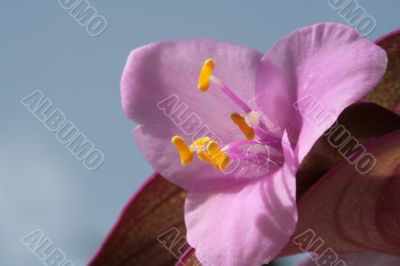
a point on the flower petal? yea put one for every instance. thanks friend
(345, 204)
(387, 93)
(363, 259)
(167, 73)
(155, 209)
(244, 225)
(327, 64)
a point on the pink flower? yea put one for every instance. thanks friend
(241, 202)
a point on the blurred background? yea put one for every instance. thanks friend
(42, 185)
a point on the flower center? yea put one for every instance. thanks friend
(260, 147)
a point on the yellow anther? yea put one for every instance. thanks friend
(200, 142)
(206, 149)
(224, 163)
(212, 146)
(204, 157)
(205, 75)
(240, 121)
(214, 156)
(183, 149)
(220, 159)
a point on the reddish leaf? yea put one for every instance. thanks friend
(365, 121)
(155, 211)
(189, 258)
(352, 212)
(387, 93)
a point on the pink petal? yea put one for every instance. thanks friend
(244, 225)
(327, 63)
(170, 69)
(363, 259)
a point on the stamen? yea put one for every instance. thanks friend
(240, 121)
(230, 94)
(199, 143)
(205, 75)
(183, 149)
(220, 158)
(264, 151)
(204, 157)
(214, 156)
(212, 146)
(224, 163)
(254, 151)
(251, 117)
(206, 149)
